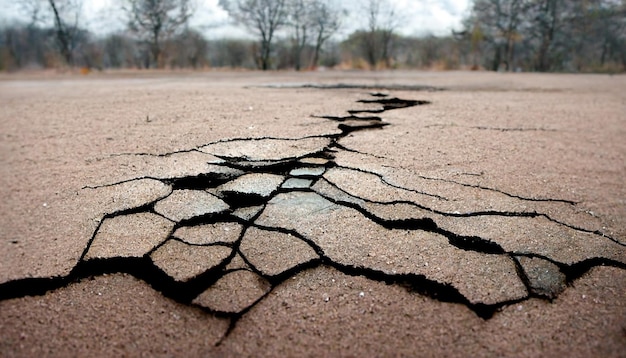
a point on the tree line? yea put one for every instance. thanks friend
(499, 35)
(547, 35)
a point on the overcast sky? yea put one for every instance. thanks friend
(420, 17)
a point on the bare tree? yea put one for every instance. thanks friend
(596, 30)
(313, 22)
(611, 29)
(155, 21)
(12, 39)
(325, 21)
(382, 21)
(264, 17)
(300, 21)
(55, 20)
(33, 10)
(547, 21)
(499, 23)
(550, 35)
(66, 14)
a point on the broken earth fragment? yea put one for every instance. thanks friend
(234, 292)
(307, 172)
(544, 277)
(209, 234)
(384, 212)
(297, 183)
(183, 262)
(256, 166)
(250, 188)
(539, 235)
(372, 187)
(187, 204)
(481, 278)
(130, 194)
(273, 252)
(236, 263)
(267, 149)
(314, 161)
(129, 236)
(174, 165)
(206, 180)
(247, 213)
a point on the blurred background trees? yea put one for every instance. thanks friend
(498, 35)
(263, 17)
(153, 22)
(548, 35)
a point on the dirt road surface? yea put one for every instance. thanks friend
(313, 214)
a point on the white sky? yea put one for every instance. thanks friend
(419, 17)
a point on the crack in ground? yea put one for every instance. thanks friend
(344, 148)
(496, 129)
(214, 203)
(145, 154)
(378, 87)
(520, 214)
(571, 202)
(385, 181)
(471, 243)
(350, 118)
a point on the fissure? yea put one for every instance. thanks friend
(299, 191)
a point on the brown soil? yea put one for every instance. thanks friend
(489, 222)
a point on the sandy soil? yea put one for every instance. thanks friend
(489, 222)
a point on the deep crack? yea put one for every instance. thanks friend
(254, 183)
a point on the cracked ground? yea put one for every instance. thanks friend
(380, 214)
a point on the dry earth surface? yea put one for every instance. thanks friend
(313, 214)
